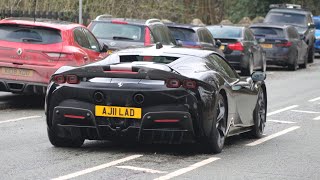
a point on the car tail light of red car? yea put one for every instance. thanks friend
(236, 46)
(175, 83)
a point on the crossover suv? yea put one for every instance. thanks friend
(122, 33)
(299, 18)
(32, 50)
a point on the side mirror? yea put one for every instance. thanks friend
(104, 48)
(218, 43)
(179, 42)
(258, 76)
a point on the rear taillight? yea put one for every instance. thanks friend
(189, 84)
(236, 46)
(59, 79)
(286, 44)
(175, 83)
(147, 37)
(72, 79)
(118, 22)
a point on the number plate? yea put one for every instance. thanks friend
(16, 71)
(266, 46)
(119, 112)
(222, 47)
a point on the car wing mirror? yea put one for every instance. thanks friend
(104, 48)
(179, 42)
(218, 43)
(258, 76)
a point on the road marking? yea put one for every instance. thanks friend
(317, 118)
(315, 99)
(96, 168)
(142, 169)
(187, 169)
(281, 110)
(267, 138)
(309, 112)
(20, 119)
(283, 122)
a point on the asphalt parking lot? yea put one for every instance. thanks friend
(289, 149)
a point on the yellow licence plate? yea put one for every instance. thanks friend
(222, 47)
(16, 71)
(266, 46)
(119, 112)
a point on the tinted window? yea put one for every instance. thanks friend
(222, 66)
(161, 35)
(317, 22)
(225, 32)
(184, 35)
(288, 18)
(126, 32)
(157, 59)
(94, 45)
(81, 38)
(207, 37)
(34, 35)
(268, 32)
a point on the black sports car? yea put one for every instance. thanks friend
(155, 95)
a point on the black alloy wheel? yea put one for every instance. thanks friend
(219, 127)
(260, 116)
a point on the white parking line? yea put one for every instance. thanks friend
(315, 99)
(20, 119)
(187, 169)
(317, 118)
(267, 138)
(142, 169)
(309, 112)
(281, 110)
(96, 168)
(282, 122)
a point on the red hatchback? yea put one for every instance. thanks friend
(31, 51)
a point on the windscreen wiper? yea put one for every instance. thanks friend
(31, 40)
(121, 38)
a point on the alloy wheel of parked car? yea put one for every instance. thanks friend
(294, 66)
(260, 115)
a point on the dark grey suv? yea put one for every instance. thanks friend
(121, 33)
(299, 18)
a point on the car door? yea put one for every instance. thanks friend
(83, 44)
(243, 97)
(94, 50)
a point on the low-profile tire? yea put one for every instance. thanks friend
(63, 142)
(247, 71)
(311, 54)
(216, 138)
(259, 116)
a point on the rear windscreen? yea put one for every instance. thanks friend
(156, 59)
(182, 34)
(221, 32)
(286, 18)
(268, 32)
(29, 34)
(103, 30)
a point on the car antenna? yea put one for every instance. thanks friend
(34, 10)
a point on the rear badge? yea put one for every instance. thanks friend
(19, 51)
(120, 84)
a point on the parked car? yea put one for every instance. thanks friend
(316, 20)
(179, 95)
(121, 33)
(282, 45)
(192, 36)
(301, 19)
(240, 48)
(31, 51)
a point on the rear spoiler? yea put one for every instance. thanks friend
(133, 72)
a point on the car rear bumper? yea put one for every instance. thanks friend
(145, 130)
(22, 87)
(237, 60)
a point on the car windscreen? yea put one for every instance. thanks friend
(222, 32)
(317, 23)
(156, 59)
(268, 32)
(126, 32)
(184, 34)
(286, 18)
(29, 34)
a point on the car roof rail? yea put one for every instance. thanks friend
(104, 17)
(285, 6)
(149, 21)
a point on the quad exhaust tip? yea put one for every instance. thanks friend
(138, 98)
(98, 97)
